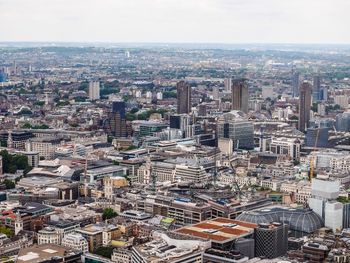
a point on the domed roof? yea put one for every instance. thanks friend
(301, 220)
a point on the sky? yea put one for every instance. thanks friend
(176, 21)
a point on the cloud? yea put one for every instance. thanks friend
(226, 21)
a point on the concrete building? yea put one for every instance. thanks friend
(121, 255)
(45, 146)
(240, 95)
(183, 97)
(170, 247)
(304, 105)
(226, 146)
(228, 84)
(342, 101)
(323, 202)
(48, 235)
(94, 90)
(286, 146)
(76, 242)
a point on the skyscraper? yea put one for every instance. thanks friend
(295, 83)
(94, 90)
(228, 84)
(240, 95)
(183, 97)
(116, 119)
(316, 91)
(304, 105)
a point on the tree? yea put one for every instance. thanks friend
(104, 251)
(5, 230)
(109, 213)
(9, 184)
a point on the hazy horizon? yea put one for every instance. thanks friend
(176, 21)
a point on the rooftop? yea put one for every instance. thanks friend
(219, 230)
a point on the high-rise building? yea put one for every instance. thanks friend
(228, 84)
(316, 91)
(183, 97)
(271, 240)
(94, 90)
(234, 125)
(304, 105)
(116, 120)
(295, 83)
(239, 95)
(343, 121)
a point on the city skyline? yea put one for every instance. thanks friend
(169, 21)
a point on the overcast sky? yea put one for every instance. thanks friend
(204, 21)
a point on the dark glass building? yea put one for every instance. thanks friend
(304, 105)
(239, 95)
(183, 97)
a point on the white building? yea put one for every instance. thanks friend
(94, 90)
(76, 241)
(226, 146)
(342, 100)
(286, 146)
(48, 235)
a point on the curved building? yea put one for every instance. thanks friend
(301, 221)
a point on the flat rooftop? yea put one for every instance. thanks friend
(219, 230)
(40, 253)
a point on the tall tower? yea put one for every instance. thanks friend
(183, 97)
(295, 83)
(316, 92)
(228, 84)
(304, 105)
(240, 95)
(117, 119)
(94, 90)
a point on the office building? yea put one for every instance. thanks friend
(317, 91)
(48, 235)
(317, 137)
(324, 202)
(75, 241)
(295, 83)
(271, 240)
(343, 121)
(304, 105)
(45, 146)
(183, 97)
(342, 101)
(228, 84)
(224, 234)
(169, 247)
(48, 253)
(286, 146)
(234, 125)
(239, 95)
(15, 139)
(117, 120)
(94, 90)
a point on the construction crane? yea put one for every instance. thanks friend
(312, 159)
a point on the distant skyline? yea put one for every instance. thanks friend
(176, 21)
